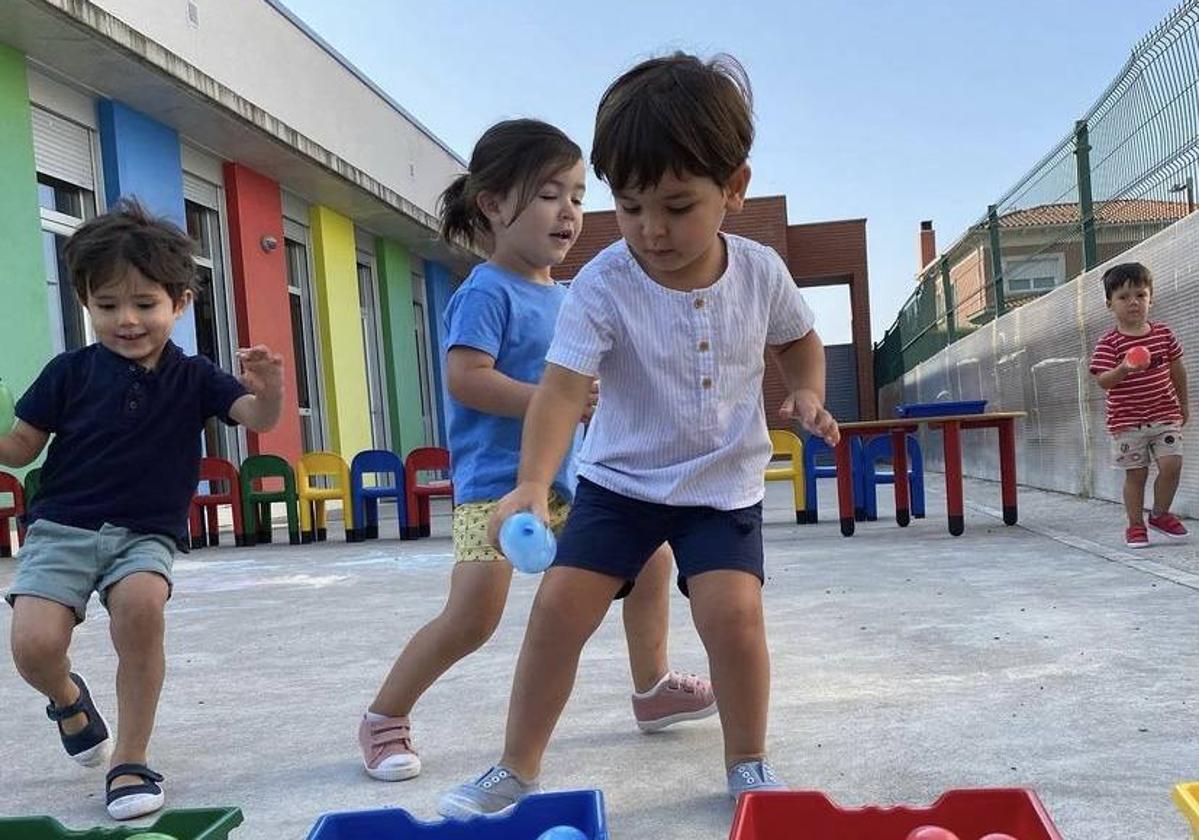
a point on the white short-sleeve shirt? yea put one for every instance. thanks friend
(680, 418)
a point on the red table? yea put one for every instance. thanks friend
(951, 426)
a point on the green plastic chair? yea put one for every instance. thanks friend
(33, 483)
(256, 504)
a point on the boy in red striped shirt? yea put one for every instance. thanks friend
(1146, 401)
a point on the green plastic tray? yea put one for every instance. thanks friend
(184, 824)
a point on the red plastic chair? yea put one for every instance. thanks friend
(425, 459)
(10, 484)
(206, 505)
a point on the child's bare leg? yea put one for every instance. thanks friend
(39, 638)
(727, 608)
(1134, 494)
(570, 605)
(473, 609)
(137, 627)
(647, 620)
(1169, 472)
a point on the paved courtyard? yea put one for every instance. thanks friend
(906, 662)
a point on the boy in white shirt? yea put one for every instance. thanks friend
(673, 319)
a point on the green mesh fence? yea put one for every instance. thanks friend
(1123, 173)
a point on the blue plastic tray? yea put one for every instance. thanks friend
(940, 409)
(581, 809)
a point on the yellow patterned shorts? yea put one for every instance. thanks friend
(470, 529)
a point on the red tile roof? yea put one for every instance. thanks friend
(1125, 211)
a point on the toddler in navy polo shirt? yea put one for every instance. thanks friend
(126, 415)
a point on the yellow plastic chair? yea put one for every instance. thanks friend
(312, 499)
(1186, 797)
(784, 443)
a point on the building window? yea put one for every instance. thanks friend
(216, 329)
(63, 208)
(372, 349)
(304, 342)
(1040, 273)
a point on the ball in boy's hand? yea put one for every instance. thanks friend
(997, 836)
(8, 417)
(562, 832)
(931, 832)
(1138, 356)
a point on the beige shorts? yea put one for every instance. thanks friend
(470, 529)
(1134, 449)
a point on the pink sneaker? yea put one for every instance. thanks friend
(677, 697)
(1168, 524)
(387, 752)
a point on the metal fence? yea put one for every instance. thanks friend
(1126, 171)
(1035, 359)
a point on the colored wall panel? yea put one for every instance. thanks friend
(25, 340)
(438, 289)
(142, 160)
(347, 400)
(260, 293)
(399, 337)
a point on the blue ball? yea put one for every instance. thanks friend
(562, 832)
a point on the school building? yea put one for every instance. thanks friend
(311, 195)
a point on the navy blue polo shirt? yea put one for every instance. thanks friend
(126, 445)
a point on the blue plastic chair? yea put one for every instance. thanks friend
(879, 449)
(812, 449)
(365, 499)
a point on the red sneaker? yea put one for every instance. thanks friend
(1168, 524)
(1135, 536)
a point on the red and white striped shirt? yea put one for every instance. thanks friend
(1145, 396)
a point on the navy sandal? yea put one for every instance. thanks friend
(131, 801)
(89, 746)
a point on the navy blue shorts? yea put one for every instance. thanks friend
(615, 535)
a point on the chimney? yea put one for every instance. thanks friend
(928, 244)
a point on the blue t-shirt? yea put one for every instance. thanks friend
(126, 445)
(512, 320)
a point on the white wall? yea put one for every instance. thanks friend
(262, 56)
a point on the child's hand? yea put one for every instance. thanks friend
(806, 407)
(261, 371)
(527, 496)
(592, 401)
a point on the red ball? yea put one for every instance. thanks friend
(932, 832)
(1138, 356)
(997, 836)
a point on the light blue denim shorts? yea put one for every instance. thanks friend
(65, 564)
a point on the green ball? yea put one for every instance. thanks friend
(153, 835)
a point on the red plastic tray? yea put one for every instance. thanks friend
(969, 813)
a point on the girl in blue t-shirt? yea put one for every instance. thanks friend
(522, 201)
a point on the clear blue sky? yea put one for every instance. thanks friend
(891, 111)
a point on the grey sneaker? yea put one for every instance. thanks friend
(494, 792)
(753, 775)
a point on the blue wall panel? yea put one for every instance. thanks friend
(142, 161)
(438, 289)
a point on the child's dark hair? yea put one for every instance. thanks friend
(514, 154)
(674, 113)
(1131, 273)
(100, 251)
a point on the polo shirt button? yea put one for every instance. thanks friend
(703, 347)
(706, 382)
(133, 403)
(699, 303)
